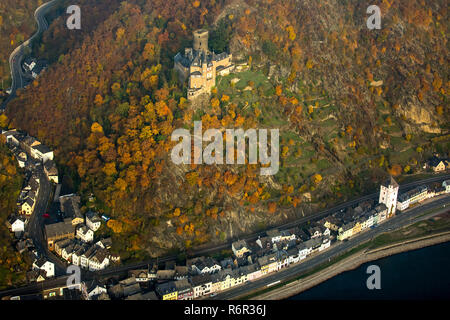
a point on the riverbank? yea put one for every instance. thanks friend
(352, 262)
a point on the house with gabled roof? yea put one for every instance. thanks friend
(239, 248)
(84, 233)
(51, 171)
(93, 220)
(184, 290)
(47, 266)
(167, 290)
(99, 260)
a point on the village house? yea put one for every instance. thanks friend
(184, 290)
(446, 185)
(66, 252)
(283, 259)
(16, 224)
(93, 289)
(59, 245)
(200, 66)
(274, 235)
(77, 252)
(331, 222)
(99, 260)
(203, 265)
(167, 291)
(201, 285)
(13, 137)
(104, 243)
(125, 288)
(314, 232)
(346, 231)
(164, 275)
(41, 152)
(70, 206)
(181, 272)
(84, 258)
(411, 197)
(47, 266)
(84, 233)
(326, 243)
(51, 171)
(437, 164)
(216, 282)
(27, 207)
(239, 248)
(93, 221)
(382, 212)
(141, 275)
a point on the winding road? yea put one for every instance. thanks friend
(16, 57)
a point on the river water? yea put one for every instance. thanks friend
(418, 274)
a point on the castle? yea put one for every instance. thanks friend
(201, 66)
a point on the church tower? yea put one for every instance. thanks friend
(388, 195)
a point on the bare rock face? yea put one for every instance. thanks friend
(419, 117)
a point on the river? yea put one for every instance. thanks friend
(419, 274)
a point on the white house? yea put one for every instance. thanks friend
(93, 289)
(85, 234)
(93, 221)
(18, 225)
(66, 253)
(47, 266)
(76, 256)
(294, 255)
(12, 137)
(410, 197)
(201, 285)
(84, 258)
(274, 235)
(303, 251)
(446, 185)
(99, 260)
(325, 243)
(42, 152)
(51, 171)
(204, 265)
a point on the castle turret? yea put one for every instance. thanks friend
(201, 40)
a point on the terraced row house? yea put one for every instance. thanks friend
(406, 199)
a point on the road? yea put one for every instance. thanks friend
(36, 223)
(16, 57)
(405, 218)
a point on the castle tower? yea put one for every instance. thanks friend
(201, 40)
(388, 195)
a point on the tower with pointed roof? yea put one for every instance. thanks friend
(388, 195)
